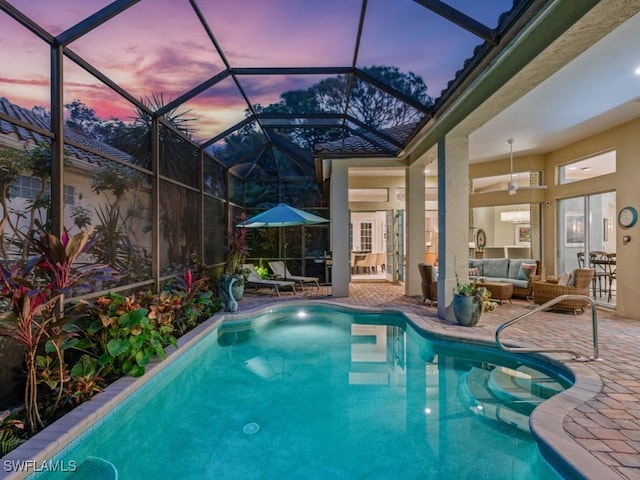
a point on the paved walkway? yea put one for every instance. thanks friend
(606, 425)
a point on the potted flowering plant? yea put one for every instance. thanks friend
(236, 257)
(469, 301)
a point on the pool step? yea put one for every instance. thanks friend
(540, 384)
(522, 388)
(508, 395)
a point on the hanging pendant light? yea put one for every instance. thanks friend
(513, 185)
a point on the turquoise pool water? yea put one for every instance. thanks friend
(323, 393)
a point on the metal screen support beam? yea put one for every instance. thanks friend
(459, 18)
(201, 159)
(57, 144)
(155, 202)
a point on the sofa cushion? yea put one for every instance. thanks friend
(564, 279)
(476, 263)
(495, 267)
(514, 266)
(519, 283)
(474, 272)
(526, 270)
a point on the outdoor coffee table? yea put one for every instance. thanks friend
(500, 291)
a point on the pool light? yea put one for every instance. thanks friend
(301, 314)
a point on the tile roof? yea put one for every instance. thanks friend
(368, 144)
(44, 122)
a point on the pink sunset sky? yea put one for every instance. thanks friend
(159, 47)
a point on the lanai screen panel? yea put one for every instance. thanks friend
(25, 64)
(285, 33)
(419, 40)
(154, 50)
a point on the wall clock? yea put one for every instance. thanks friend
(481, 239)
(627, 217)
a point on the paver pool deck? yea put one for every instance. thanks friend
(595, 424)
(606, 424)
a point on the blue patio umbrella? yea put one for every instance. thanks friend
(282, 215)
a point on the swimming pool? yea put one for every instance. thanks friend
(323, 392)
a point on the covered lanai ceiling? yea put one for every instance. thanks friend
(299, 78)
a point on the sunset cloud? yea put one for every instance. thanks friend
(158, 47)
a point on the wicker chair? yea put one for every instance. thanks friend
(543, 291)
(429, 286)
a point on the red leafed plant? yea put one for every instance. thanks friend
(34, 292)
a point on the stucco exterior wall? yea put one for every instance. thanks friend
(626, 141)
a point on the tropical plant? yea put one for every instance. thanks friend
(121, 333)
(262, 270)
(33, 292)
(195, 300)
(51, 373)
(478, 292)
(117, 241)
(11, 430)
(10, 167)
(31, 319)
(238, 247)
(178, 161)
(86, 380)
(113, 245)
(37, 162)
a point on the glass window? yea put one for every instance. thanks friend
(601, 164)
(500, 182)
(366, 236)
(29, 188)
(368, 194)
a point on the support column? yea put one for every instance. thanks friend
(415, 187)
(453, 225)
(341, 271)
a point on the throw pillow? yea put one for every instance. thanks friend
(526, 270)
(564, 279)
(473, 272)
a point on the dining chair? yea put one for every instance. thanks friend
(598, 262)
(431, 258)
(612, 271)
(381, 261)
(368, 262)
(580, 259)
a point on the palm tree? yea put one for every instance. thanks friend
(179, 162)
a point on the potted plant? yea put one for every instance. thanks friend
(237, 255)
(469, 301)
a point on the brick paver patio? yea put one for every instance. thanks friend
(606, 425)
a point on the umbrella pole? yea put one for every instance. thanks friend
(284, 260)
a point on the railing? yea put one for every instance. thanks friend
(544, 306)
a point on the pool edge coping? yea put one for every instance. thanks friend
(546, 422)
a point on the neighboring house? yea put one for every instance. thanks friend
(79, 167)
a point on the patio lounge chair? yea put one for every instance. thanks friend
(428, 283)
(279, 268)
(255, 280)
(552, 287)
